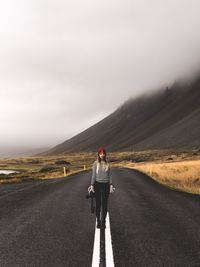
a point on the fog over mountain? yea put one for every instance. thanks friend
(164, 119)
(66, 65)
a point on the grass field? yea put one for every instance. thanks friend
(32, 168)
(180, 170)
(183, 175)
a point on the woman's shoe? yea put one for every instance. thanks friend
(103, 224)
(98, 224)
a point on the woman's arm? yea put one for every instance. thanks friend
(109, 175)
(93, 173)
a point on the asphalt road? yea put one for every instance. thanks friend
(48, 223)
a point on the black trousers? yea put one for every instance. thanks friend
(102, 191)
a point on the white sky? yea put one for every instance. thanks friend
(65, 65)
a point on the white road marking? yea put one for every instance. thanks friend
(108, 244)
(96, 247)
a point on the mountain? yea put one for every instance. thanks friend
(163, 119)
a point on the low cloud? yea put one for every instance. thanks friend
(67, 64)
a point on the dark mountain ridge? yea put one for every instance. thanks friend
(163, 119)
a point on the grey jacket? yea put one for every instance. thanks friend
(103, 176)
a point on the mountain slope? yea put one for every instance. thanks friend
(161, 119)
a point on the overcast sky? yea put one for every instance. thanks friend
(66, 64)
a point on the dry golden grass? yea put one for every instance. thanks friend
(182, 175)
(30, 168)
(175, 169)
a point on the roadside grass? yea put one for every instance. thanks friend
(176, 169)
(48, 167)
(180, 175)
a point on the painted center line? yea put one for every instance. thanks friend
(108, 245)
(96, 247)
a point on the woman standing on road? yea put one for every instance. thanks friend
(101, 184)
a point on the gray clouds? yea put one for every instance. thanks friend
(67, 64)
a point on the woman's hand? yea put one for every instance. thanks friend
(112, 189)
(91, 188)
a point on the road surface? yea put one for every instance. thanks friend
(48, 223)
